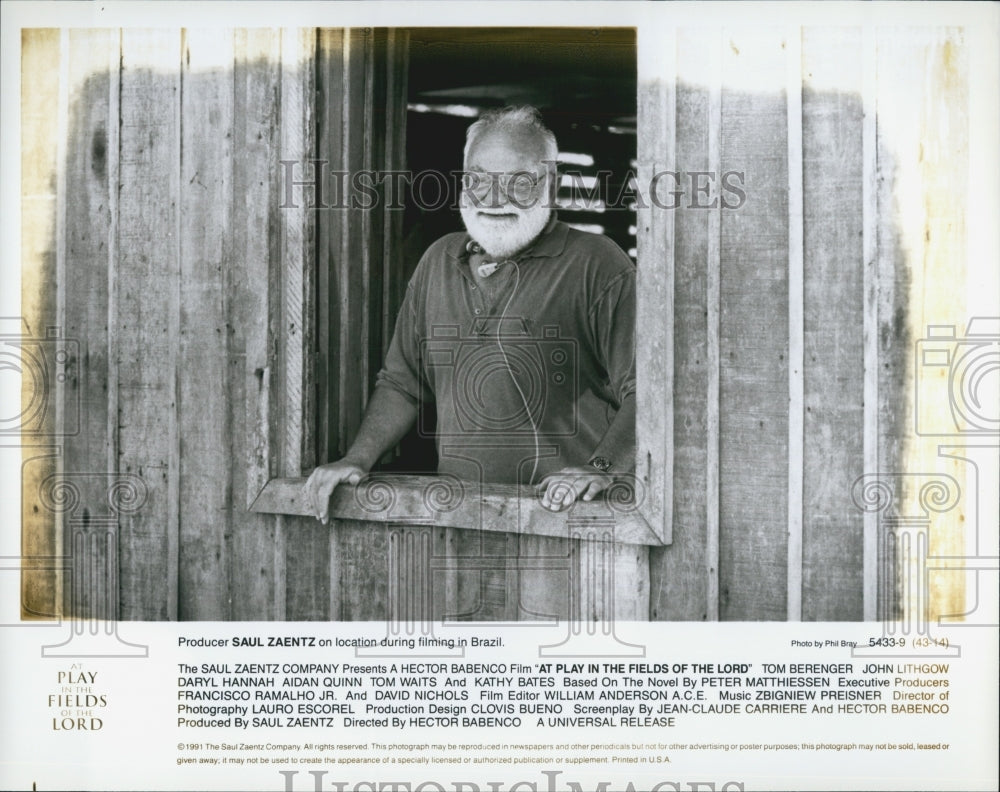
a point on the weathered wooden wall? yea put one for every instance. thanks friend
(793, 342)
(162, 242)
(168, 238)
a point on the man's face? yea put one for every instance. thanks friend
(503, 202)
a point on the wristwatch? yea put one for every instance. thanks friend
(602, 464)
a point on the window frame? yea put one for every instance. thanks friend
(348, 65)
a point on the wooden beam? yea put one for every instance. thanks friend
(89, 169)
(713, 263)
(869, 234)
(147, 317)
(796, 324)
(753, 376)
(445, 502)
(112, 452)
(206, 331)
(257, 572)
(297, 52)
(833, 298)
(657, 114)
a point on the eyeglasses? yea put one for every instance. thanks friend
(519, 186)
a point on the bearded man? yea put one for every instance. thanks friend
(521, 331)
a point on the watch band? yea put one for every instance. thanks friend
(601, 463)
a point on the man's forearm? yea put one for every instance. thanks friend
(387, 419)
(618, 443)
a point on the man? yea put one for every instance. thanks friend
(521, 331)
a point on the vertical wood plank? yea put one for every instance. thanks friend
(753, 389)
(386, 109)
(898, 56)
(796, 324)
(258, 592)
(207, 281)
(548, 576)
(713, 263)
(114, 69)
(394, 278)
(657, 61)
(89, 163)
(372, 134)
(297, 229)
(363, 90)
(897, 113)
(870, 203)
(354, 264)
(146, 319)
(330, 231)
(678, 589)
(480, 575)
(833, 455)
(306, 542)
(306, 569)
(41, 57)
(365, 587)
(343, 66)
(624, 569)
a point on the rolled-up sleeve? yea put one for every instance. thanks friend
(401, 370)
(612, 325)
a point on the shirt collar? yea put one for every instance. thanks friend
(550, 243)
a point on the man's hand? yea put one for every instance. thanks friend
(560, 489)
(324, 480)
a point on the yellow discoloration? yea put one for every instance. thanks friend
(933, 238)
(39, 103)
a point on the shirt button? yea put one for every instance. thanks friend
(478, 311)
(473, 287)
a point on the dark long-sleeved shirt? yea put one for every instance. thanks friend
(558, 337)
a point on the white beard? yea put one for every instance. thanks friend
(502, 237)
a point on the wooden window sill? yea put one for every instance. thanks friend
(446, 502)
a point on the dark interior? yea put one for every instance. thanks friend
(583, 80)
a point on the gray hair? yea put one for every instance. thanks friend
(524, 117)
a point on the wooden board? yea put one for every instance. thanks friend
(754, 332)
(145, 330)
(91, 167)
(257, 592)
(306, 544)
(657, 56)
(207, 282)
(677, 594)
(834, 303)
(448, 502)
